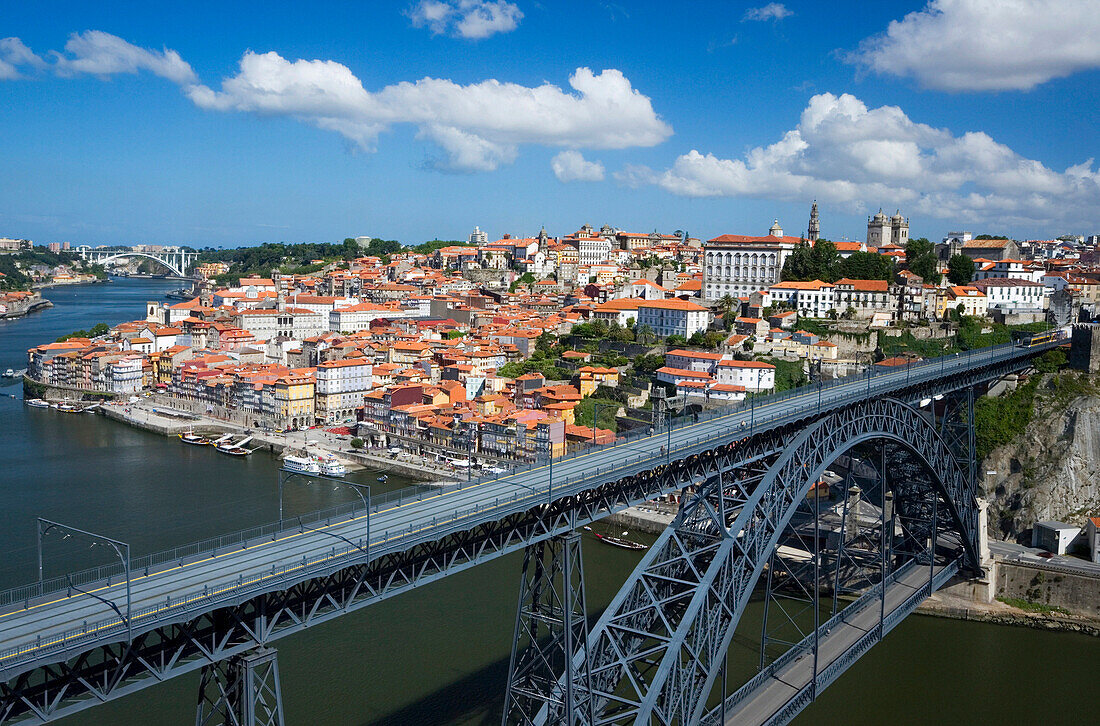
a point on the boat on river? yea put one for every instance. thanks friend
(237, 449)
(67, 407)
(626, 544)
(194, 439)
(301, 465)
(37, 403)
(331, 466)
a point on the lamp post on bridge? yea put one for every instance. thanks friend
(285, 476)
(120, 548)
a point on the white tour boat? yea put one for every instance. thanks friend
(301, 464)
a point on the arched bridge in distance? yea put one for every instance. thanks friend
(178, 260)
(825, 582)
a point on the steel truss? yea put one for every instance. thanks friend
(694, 568)
(551, 620)
(54, 688)
(659, 646)
(242, 690)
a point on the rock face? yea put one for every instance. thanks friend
(1051, 471)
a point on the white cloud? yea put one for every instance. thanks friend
(479, 125)
(570, 166)
(987, 45)
(469, 19)
(771, 11)
(845, 153)
(102, 54)
(13, 55)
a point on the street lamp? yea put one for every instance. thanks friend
(285, 476)
(121, 549)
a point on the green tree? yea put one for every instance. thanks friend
(960, 269)
(990, 236)
(644, 334)
(920, 256)
(648, 363)
(867, 266)
(818, 262)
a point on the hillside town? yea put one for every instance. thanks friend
(523, 346)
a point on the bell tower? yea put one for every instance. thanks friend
(813, 231)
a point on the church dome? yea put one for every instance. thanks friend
(897, 217)
(776, 230)
(879, 216)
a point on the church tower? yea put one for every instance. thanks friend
(814, 230)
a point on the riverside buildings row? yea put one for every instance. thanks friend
(418, 347)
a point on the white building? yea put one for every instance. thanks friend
(753, 375)
(340, 387)
(1011, 293)
(1092, 532)
(1054, 537)
(737, 265)
(1010, 270)
(593, 250)
(479, 238)
(673, 317)
(359, 317)
(289, 323)
(125, 374)
(693, 360)
(809, 299)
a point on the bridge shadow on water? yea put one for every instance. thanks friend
(475, 700)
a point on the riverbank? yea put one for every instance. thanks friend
(943, 605)
(21, 308)
(170, 422)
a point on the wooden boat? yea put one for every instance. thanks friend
(625, 544)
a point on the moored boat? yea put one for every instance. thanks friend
(333, 467)
(237, 449)
(9, 373)
(37, 403)
(68, 408)
(301, 464)
(384, 478)
(625, 544)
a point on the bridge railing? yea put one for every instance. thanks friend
(388, 540)
(147, 564)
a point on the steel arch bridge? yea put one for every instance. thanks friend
(658, 654)
(655, 654)
(177, 261)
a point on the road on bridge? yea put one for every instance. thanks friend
(63, 621)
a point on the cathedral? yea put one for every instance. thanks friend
(883, 230)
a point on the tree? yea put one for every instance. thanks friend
(357, 443)
(920, 256)
(990, 236)
(867, 266)
(960, 269)
(820, 261)
(644, 333)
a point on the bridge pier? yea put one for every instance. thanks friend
(551, 619)
(241, 691)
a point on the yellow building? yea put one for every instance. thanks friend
(294, 401)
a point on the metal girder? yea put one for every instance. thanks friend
(657, 649)
(242, 690)
(552, 626)
(55, 688)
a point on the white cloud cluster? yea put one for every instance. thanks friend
(94, 52)
(102, 54)
(479, 125)
(987, 45)
(571, 166)
(771, 11)
(845, 153)
(13, 55)
(469, 19)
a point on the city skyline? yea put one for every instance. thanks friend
(421, 120)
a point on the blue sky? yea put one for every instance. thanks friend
(237, 123)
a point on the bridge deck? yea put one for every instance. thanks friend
(765, 702)
(44, 626)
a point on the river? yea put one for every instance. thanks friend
(437, 654)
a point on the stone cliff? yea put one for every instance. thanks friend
(1052, 469)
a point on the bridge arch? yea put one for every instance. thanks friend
(658, 648)
(101, 259)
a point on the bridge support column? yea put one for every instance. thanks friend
(548, 680)
(241, 691)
